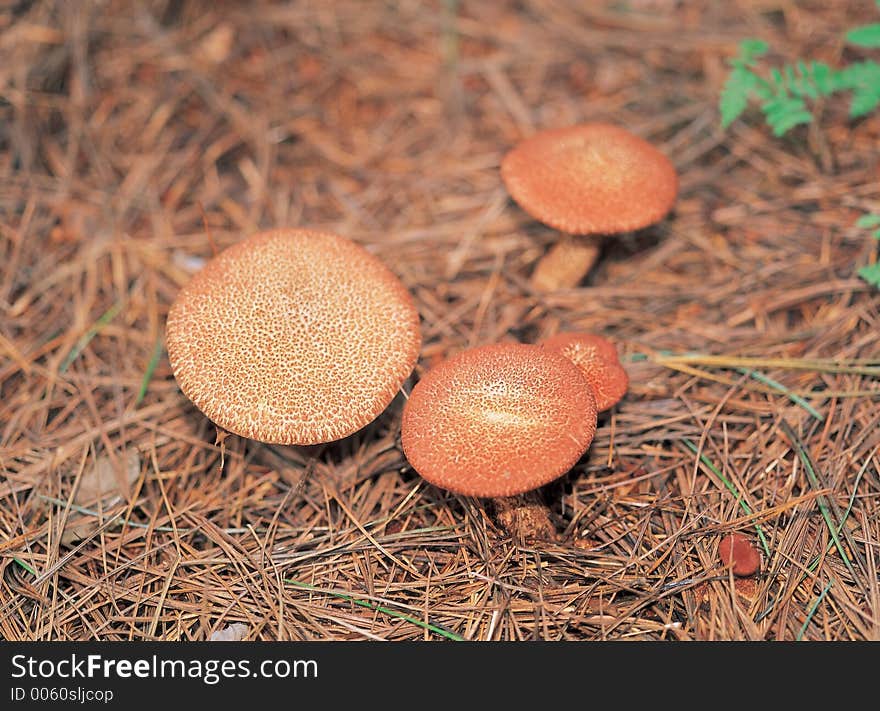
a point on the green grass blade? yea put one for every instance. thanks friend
(761, 378)
(732, 489)
(854, 366)
(821, 501)
(815, 562)
(813, 608)
(25, 566)
(87, 337)
(379, 608)
(148, 374)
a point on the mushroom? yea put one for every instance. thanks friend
(587, 181)
(737, 552)
(498, 421)
(597, 358)
(293, 336)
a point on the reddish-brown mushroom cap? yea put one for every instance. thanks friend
(597, 358)
(498, 420)
(736, 551)
(293, 337)
(594, 178)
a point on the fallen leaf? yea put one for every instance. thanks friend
(110, 476)
(107, 479)
(231, 633)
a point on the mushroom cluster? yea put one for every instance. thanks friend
(294, 336)
(500, 421)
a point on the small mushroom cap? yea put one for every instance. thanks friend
(293, 337)
(498, 420)
(595, 178)
(737, 552)
(597, 358)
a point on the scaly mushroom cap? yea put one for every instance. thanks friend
(597, 358)
(498, 420)
(293, 337)
(595, 178)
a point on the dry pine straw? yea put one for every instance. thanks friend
(120, 122)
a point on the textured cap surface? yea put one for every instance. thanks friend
(597, 358)
(498, 420)
(293, 337)
(589, 179)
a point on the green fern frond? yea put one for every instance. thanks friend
(865, 36)
(742, 82)
(812, 79)
(783, 95)
(825, 79)
(800, 79)
(749, 51)
(871, 274)
(864, 102)
(785, 92)
(868, 221)
(735, 94)
(785, 112)
(863, 79)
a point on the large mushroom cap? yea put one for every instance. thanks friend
(293, 337)
(590, 179)
(498, 420)
(597, 358)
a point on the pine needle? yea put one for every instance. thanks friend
(732, 489)
(379, 608)
(86, 338)
(813, 608)
(760, 377)
(151, 367)
(822, 501)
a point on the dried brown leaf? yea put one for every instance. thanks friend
(110, 476)
(231, 633)
(108, 479)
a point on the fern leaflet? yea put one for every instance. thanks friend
(784, 94)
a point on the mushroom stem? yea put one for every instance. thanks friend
(566, 263)
(526, 517)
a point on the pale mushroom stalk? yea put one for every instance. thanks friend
(566, 263)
